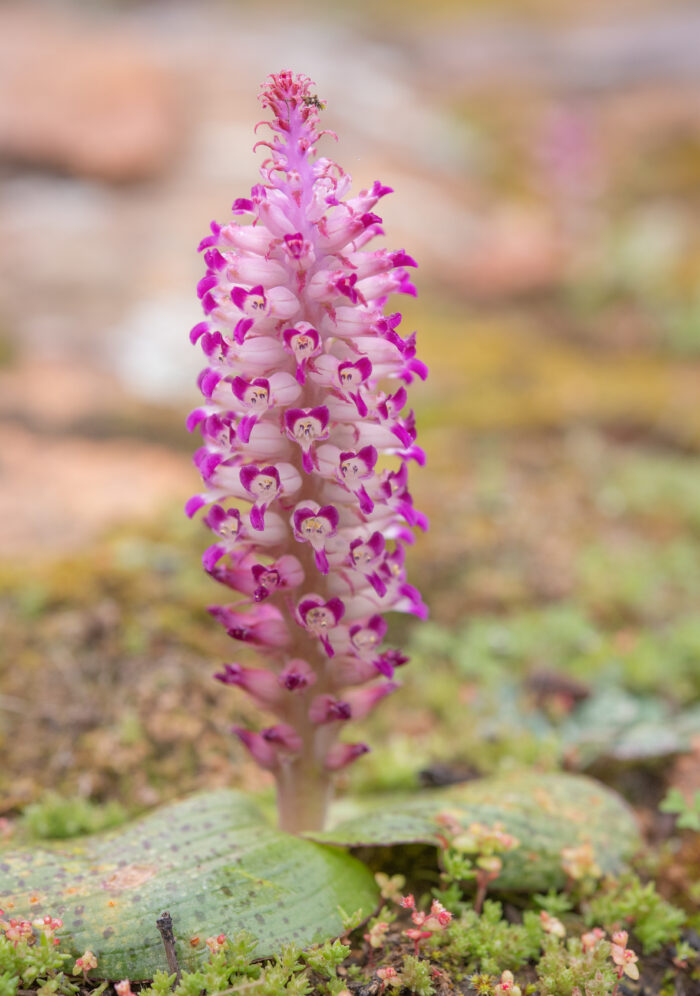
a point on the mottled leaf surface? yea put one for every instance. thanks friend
(545, 812)
(212, 861)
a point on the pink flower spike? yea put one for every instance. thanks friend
(304, 448)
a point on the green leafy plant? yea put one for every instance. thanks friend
(55, 817)
(688, 812)
(628, 902)
(415, 975)
(30, 956)
(473, 852)
(488, 942)
(567, 968)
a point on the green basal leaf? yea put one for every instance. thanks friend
(545, 812)
(212, 861)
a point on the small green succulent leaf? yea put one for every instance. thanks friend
(211, 861)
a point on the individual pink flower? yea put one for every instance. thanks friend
(376, 936)
(624, 957)
(506, 985)
(426, 924)
(215, 944)
(48, 925)
(389, 976)
(316, 525)
(626, 960)
(85, 964)
(552, 924)
(592, 938)
(17, 930)
(305, 446)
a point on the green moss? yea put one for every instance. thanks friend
(565, 969)
(54, 817)
(628, 903)
(488, 943)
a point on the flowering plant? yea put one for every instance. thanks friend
(310, 518)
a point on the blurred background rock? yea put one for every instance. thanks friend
(545, 158)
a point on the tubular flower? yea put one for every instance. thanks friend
(305, 449)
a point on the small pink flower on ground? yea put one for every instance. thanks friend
(390, 887)
(552, 925)
(449, 819)
(123, 988)
(376, 935)
(426, 924)
(416, 935)
(506, 985)
(592, 939)
(490, 864)
(438, 918)
(580, 862)
(389, 976)
(215, 944)
(85, 964)
(17, 930)
(48, 925)
(624, 957)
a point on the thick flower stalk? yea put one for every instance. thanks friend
(306, 445)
